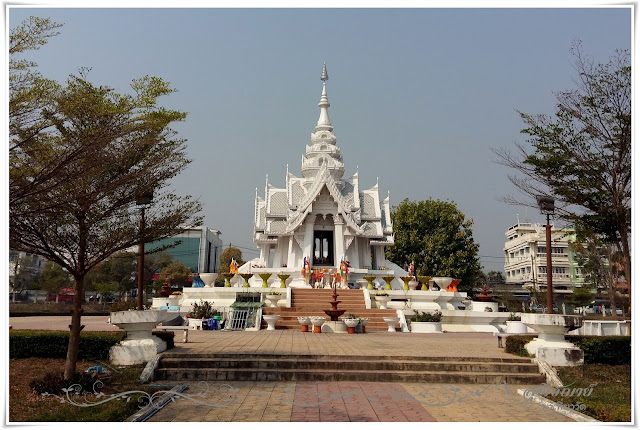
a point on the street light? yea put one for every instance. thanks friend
(547, 208)
(143, 199)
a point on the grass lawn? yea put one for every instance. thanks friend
(25, 405)
(611, 397)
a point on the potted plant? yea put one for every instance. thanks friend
(427, 322)
(201, 311)
(514, 325)
(273, 297)
(351, 321)
(363, 324)
(383, 299)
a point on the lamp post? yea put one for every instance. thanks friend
(142, 200)
(547, 208)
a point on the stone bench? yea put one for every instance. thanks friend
(176, 327)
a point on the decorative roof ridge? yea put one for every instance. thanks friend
(324, 178)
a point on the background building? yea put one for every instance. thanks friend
(198, 250)
(525, 258)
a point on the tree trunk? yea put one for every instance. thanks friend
(626, 254)
(74, 335)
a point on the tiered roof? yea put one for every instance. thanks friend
(283, 210)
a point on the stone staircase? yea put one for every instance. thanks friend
(313, 302)
(268, 367)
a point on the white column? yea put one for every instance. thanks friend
(355, 259)
(308, 241)
(379, 250)
(277, 257)
(367, 254)
(339, 240)
(264, 254)
(291, 260)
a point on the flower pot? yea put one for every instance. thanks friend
(363, 323)
(208, 279)
(391, 322)
(304, 322)
(195, 323)
(351, 324)
(273, 300)
(516, 327)
(271, 321)
(383, 300)
(317, 323)
(426, 327)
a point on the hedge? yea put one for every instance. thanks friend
(53, 344)
(515, 345)
(610, 350)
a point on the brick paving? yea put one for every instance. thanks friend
(350, 401)
(342, 401)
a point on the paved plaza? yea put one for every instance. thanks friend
(344, 401)
(339, 401)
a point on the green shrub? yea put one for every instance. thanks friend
(611, 350)
(427, 316)
(124, 306)
(53, 344)
(167, 336)
(515, 345)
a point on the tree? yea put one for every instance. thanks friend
(582, 155)
(599, 261)
(227, 255)
(175, 274)
(26, 85)
(122, 148)
(581, 297)
(491, 278)
(436, 236)
(53, 278)
(25, 274)
(116, 273)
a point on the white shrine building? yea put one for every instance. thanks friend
(322, 215)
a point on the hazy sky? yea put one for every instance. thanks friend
(418, 96)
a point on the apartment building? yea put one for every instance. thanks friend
(525, 258)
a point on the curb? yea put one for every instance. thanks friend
(580, 417)
(146, 413)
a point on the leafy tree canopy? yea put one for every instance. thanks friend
(54, 278)
(581, 155)
(436, 236)
(175, 274)
(79, 156)
(227, 255)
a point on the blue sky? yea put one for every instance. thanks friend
(418, 96)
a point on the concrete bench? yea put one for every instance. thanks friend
(176, 327)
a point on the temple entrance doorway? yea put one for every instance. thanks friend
(323, 248)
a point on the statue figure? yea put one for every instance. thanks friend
(233, 267)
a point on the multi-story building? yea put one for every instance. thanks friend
(199, 248)
(525, 258)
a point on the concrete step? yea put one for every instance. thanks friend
(362, 313)
(344, 365)
(320, 357)
(258, 374)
